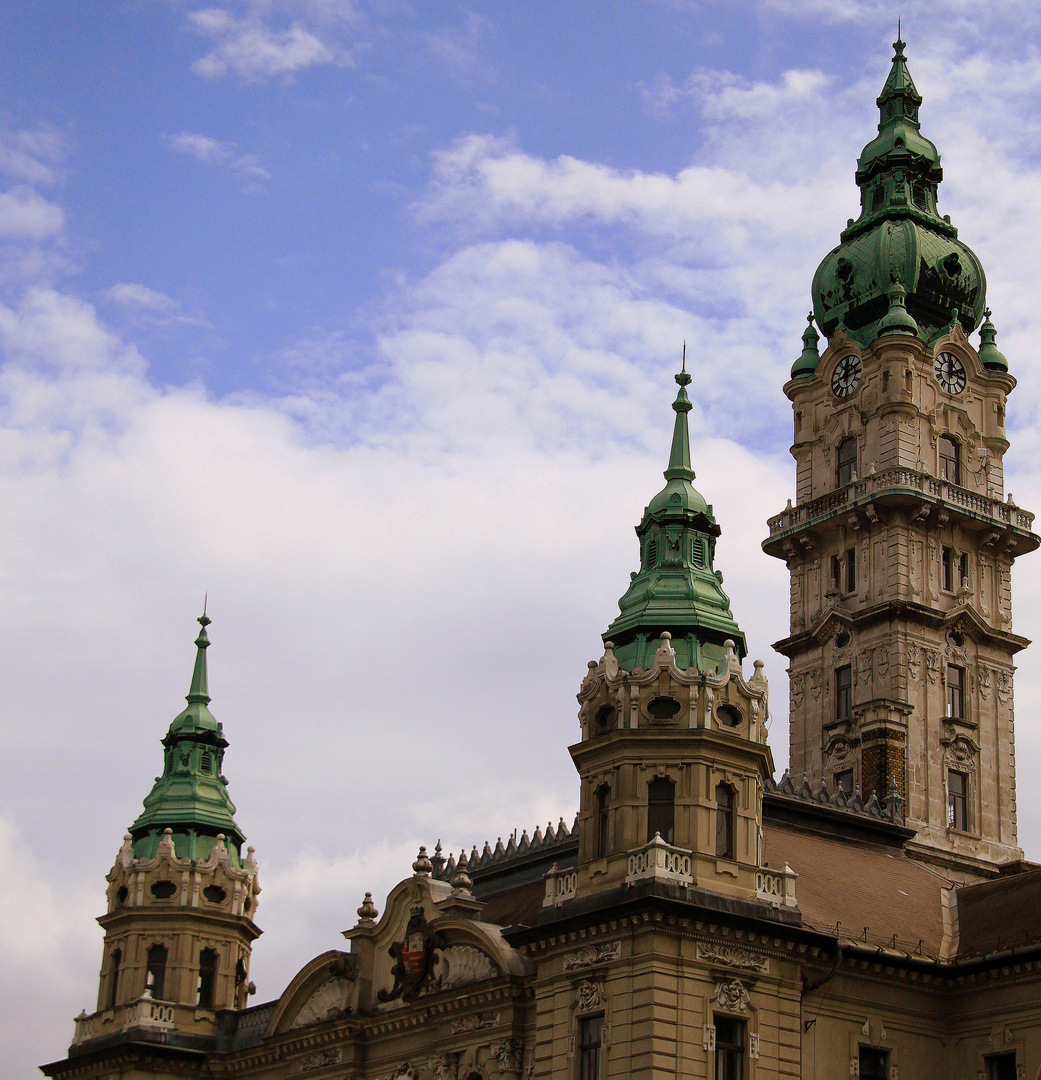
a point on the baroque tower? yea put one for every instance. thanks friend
(181, 896)
(673, 758)
(901, 540)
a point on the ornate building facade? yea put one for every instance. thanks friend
(869, 914)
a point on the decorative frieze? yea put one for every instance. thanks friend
(592, 954)
(475, 1022)
(732, 956)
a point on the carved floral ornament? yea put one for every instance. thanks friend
(732, 956)
(320, 1059)
(592, 954)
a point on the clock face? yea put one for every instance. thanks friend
(950, 373)
(846, 377)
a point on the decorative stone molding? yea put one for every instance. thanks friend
(509, 1054)
(776, 887)
(561, 885)
(475, 1022)
(732, 956)
(589, 996)
(732, 996)
(330, 999)
(592, 954)
(320, 1059)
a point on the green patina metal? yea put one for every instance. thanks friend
(807, 362)
(676, 588)
(899, 237)
(191, 797)
(989, 353)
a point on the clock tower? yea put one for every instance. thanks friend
(901, 540)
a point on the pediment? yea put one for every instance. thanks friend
(322, 990)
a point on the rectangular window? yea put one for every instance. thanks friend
(113, 988)
(844, 692)
(836, 573)
(730, 1048)
(603, 819)
(844, 571)
(947, 569)
(957, 801)
(847, 461)
(955, 692)
(155, 976)
(724, 822)
(661, 808)
(1001, 1066)
(963, 571)
(851, 571)
(207, 977)
(590, 1038)
(949, 465)
(844, 780)
(874, 1064)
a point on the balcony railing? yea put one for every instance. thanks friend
(658, 861)
(776, 887)
(146, 1012)
(910, 480)
(561, 885)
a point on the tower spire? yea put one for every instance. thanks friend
(199, 690)
(679, 459)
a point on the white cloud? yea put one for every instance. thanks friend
(245, 167)
(251, 49)
(26, 214)
(151, 306)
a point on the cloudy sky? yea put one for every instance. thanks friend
(362, 317)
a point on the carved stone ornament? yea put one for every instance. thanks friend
(932, 665)
(320, 1059)
(509, 1054)
(815, 684)
(330, 999)
(960, 752)
(441, 1067)
(883, 662)
(1004, 680)
(458, 965)
(403, 1072)
(914, 661)
(589, 996)
(984, 681)
(414, 957)
(732, 956)
(592, 954)
(798, 688)
(733, 996)
(475, 1022)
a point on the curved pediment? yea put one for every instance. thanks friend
(323, 989)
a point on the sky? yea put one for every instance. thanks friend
(361, 317)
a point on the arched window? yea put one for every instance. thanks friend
(847, 458)
(207, 977)
(603, 820)
(950, 466)
(661, 809)
(155, 974)
(724, 821)
(113, 986)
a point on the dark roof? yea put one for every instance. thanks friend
(999, 915)
(848, 888)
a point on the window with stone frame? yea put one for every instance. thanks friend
(603, 820)
(724, 821)
(113, 986)
(847, 460)
(955, 692)
(155, 971)
(1001, 1066)
(947, 569)
(963, 571)
(590, 1042)
(844, 692)
(207, 978)
(874, 1063)
(957, 801)
(844, 571)
(844, 780)
(950, 463)
(730, 1048)
(661, 809)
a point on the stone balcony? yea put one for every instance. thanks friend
(145, 1013)
(658, 861)
(897, 484)
(561, 885)
(776, 887)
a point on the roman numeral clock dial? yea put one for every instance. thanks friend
(846, 376)
(950, 373)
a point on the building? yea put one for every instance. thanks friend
(870, 913)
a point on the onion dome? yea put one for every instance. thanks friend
(808, 358)
(676, 588)
(899, 236)
(191, 797)
(989, 353)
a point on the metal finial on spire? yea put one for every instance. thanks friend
(683, 376)
(899, 44)
(204, 620)
(684, 368)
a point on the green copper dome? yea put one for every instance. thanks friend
(900, 236)
(191, 796)
(676, 588)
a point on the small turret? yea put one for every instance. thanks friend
(181, 897)
(809, 357)
(990, 355)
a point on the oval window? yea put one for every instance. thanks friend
(663, 708)
(163, 890)
(215, 894)
(729, 716)
(604, 718)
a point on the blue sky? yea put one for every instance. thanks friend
(363, 317)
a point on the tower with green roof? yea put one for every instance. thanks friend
(673, 756)
(182, 896)
(901, 538)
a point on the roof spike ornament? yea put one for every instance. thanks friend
(809, 357)
(676, 590)
(199, 690)
(989, 353)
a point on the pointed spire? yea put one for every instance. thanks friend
(991, 356)
(899, 85)
(898, 319)
(809, 357)
(199, 691)
(679, 459)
